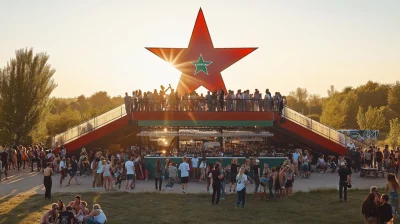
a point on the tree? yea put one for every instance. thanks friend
(394, 97)
(331, 91)
(334, 112)
(373, 119)
(361, 118)
(26, 84)
(314, 104)
(393, 138)
(297, 100)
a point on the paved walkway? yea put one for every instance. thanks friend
(26, 181)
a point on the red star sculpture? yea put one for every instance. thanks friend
(201, 64)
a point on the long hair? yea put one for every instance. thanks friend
(241, 172)
(158, 165)
(392, 180)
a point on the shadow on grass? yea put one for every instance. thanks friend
(318, 206)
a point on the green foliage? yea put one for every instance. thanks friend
(334, 112)
(315, 117)
(394, 97)
(59, 123)
(393, 138)
(373, 119)
(25, 86)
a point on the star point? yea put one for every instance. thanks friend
(195, 70)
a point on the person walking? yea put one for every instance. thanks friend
(184, 168)
(47, 181)
(130, 170)
(173, 174)
(343, 181)
(241, 181)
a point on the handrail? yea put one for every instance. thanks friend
(88, 126)
(172, 104)
(317, 127)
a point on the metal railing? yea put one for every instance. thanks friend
(88, 126)
(316, 127)
(205, 105)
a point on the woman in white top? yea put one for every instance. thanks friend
(106, 175)
(241, 181)
(97, 216)
(203, 166)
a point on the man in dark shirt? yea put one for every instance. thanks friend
(4, 159)
(343, 181)
(216, 183)
(72, 171)
(379, 158)
(385, 210)
(66, 217)
(221, 99)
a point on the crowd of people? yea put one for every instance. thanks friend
(122, 169)
(212, 101)
(76, 212)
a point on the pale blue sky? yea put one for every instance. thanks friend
(99, 44)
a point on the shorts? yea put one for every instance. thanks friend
(129, 176)
(288, 184)
(72, 174)
(184, 180)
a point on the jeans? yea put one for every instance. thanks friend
(171, 182)
(222, 188)
(216, 190)
(241, 197)
(343, 185)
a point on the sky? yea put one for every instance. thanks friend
(99, 45)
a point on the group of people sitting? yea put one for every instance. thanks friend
(213, 101)
(75, 213)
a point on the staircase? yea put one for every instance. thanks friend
(319, 129)
(89, 126)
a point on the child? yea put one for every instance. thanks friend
(118, 177)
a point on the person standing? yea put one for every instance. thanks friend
(158, 175)
(256, 172)
(343, 181)
(130, 170)
(4, 165)
(62, 168)
(195, 166)
(392, 187)
(72, 171)
(47, 181)
(184, 168)
(216, 177)
(241, 181)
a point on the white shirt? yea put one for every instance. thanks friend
(101, 218)
(99, 167)
(62, 164)
(184, 168)
(49, 155)
(203, 165)
(241, 183)
(129, 167)
(195, 162)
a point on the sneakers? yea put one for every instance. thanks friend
(184, 191)
(221, 199)
(93, 188)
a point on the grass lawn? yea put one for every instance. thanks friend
(314, 207)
